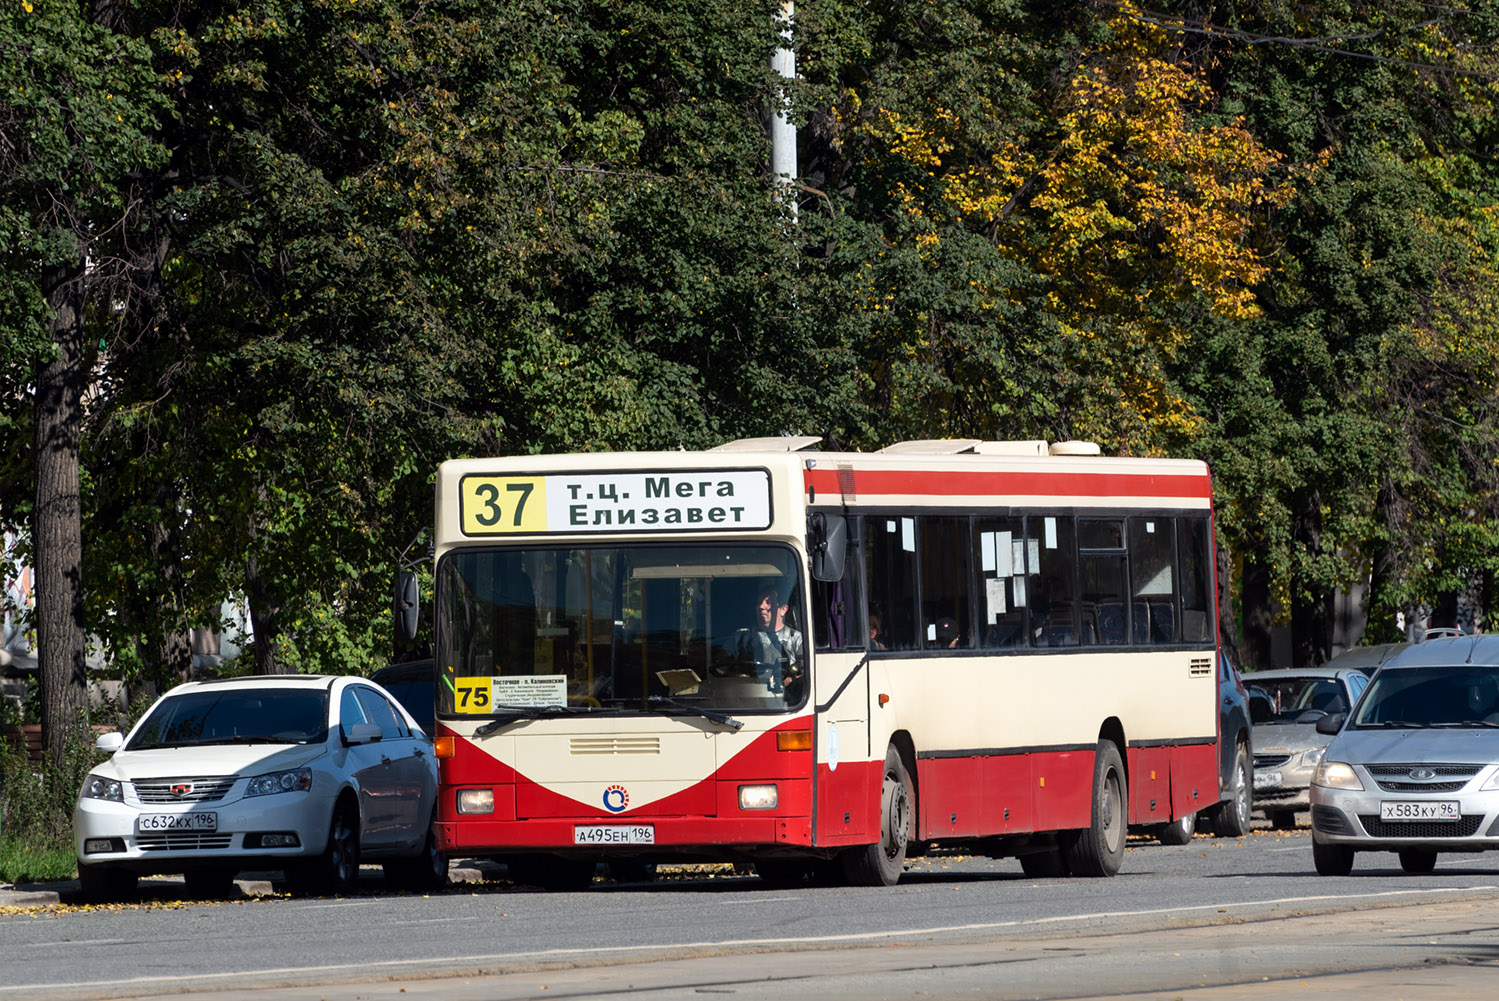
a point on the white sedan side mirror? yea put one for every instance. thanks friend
(110, 742)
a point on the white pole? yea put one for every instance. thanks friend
(782, 132)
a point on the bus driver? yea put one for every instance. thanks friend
(773, 646)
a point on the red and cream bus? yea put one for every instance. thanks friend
(805, 659)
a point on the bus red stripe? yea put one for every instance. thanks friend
(931, 483)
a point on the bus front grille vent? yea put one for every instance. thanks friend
(615, 745)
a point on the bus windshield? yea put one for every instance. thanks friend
(645, 628)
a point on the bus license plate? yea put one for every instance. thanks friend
(151, 822)
(615, 834)
(1444, 810)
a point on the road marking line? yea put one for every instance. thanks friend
(758, 943)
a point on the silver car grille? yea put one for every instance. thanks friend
(1427, 831)
(182, 841)
(1443, 778)
(184, 790)
(1270, 760)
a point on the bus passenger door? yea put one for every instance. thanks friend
(846, 773)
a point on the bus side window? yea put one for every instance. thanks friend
(1196, 587)
(1000, 545)
(836, 605)
(1051, 544)
(946, 545)
(890, 558)
(1153, 578)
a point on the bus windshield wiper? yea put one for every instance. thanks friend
(513, 714)
(665, 703)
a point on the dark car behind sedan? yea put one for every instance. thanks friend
(412, 685)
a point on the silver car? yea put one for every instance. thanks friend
(1284, 707)
(308, 774)
(1415, 768)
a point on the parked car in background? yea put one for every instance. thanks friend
(411, 684)
(1365, 658)
(307, 774)
(1284, 707)
(1415, 770)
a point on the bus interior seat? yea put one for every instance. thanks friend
(1111, 623)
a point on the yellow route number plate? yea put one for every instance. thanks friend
(494, 504)
(472, 695)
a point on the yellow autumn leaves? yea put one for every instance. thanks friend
(1132, 196)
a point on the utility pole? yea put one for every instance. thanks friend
(782, 132)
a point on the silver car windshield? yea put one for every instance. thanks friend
(1293, 700)
(611, 629)
(238, 716)
(1462, 696)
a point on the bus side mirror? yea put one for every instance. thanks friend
(405, 606)
(827, 541)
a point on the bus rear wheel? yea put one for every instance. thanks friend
(1098, 849)
(881, 864)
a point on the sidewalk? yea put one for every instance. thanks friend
(254, 884)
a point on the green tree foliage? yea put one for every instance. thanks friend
(1352, 426)
(79, 104)
(356, 238)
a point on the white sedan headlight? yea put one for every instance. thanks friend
(295, 780)
(1336, 775)
(99, 787)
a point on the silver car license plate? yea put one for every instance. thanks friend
(614, 834)
(1267, 780)
(151, 823)
(1398, 810)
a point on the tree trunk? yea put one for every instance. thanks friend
(1311, 616)
(1228, 627)
(56, 522)
(1258, 617)
(263, 609)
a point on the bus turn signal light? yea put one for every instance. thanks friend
(793, 740)
(445, 747)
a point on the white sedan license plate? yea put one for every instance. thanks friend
(614, 834)
(1444, 810)
(151, 823)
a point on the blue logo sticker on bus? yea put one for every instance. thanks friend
(616, 799)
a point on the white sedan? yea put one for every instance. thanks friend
(307, 774)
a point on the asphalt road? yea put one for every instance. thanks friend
(1232, 913)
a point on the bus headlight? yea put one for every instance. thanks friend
(1336, 775)
(764, 797)
(476, 801)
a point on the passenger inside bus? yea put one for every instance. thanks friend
(949, 636)
(876, 623)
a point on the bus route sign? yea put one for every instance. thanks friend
(648, 501)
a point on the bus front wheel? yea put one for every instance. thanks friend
(881, 864)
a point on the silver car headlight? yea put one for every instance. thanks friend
(1336, 775)
(99, 787)
(1492, 783)
(294, 780)
(1313, 757)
